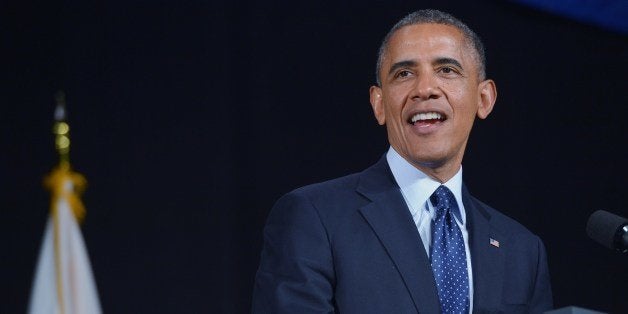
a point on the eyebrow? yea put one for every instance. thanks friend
(401, 64)
(412, 63)
(443, 61)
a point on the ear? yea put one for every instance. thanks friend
(376, 102)
(488, 96)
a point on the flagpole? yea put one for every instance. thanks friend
(61, 130)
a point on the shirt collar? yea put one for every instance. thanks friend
(417, 187)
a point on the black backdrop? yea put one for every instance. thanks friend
(190, 118)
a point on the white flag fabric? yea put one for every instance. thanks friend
(63, 282)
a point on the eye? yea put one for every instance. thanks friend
(448, 71)
(403, 73)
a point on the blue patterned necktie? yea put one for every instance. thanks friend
(447, 254)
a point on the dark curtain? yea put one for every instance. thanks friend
(190, 118)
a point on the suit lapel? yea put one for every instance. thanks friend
(390, 219)
(487, 259)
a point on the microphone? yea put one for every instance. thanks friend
(608, 230)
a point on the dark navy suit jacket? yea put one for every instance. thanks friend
(350, 246)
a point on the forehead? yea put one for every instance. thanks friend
(427, 40)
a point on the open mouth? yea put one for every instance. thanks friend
(427, 118)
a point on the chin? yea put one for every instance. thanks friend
(432, 164)
(429, 161)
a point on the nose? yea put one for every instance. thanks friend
(426, 87)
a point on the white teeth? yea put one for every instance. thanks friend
(426, 116)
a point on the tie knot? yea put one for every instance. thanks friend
(443, 199)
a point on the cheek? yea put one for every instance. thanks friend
(465, 108)
(463, 99)
(455, 91)
(459, 86)
(393, 104)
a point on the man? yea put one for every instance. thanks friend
(405, 235)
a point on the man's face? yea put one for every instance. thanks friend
(430, 95)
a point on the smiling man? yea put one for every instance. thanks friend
(405, 235)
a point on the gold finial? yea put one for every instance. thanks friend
(61, 129)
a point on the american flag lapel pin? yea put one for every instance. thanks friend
(493, 242)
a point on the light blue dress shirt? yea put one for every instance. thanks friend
(416, 188)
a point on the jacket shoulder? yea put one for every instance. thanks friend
(329, 187)
(328, 195)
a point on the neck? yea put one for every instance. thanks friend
(441, 173)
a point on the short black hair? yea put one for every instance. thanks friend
(434, 17)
